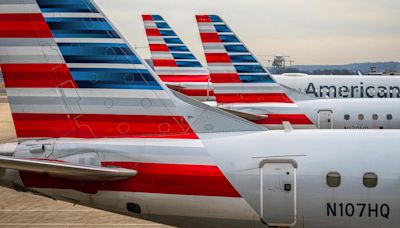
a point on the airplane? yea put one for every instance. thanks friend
(174, 63)
(342, 86)
(89, 134)
(241, 84)
(165, 44)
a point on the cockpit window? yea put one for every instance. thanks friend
(333, 179)
(370, 180)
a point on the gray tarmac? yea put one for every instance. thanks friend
(19, 209)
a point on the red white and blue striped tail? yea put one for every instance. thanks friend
(69, 73)
(174, 63)
(239, 79)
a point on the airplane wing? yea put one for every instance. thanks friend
(244, 115)
(67, 170)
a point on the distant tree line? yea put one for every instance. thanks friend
(314, 72)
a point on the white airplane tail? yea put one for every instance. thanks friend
(173, 62)
(239, 79)
(69, 73)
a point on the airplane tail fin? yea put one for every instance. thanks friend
(69, 73)
(173, 62)
(238, 77)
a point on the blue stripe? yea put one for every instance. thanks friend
(188, 64)
(167, 33)
(84, 34)
(162, 25)
(78, 23)
(81, 28)
(114, 78)
(173, 41)
(242, 59)
(97, 53)
(235, 48)
(215, 18)
(178, 48)
(78, 6)
(222, 28)
(256, 78)
(229, 39)
(249, 69)
(183, 56)
(157, 18)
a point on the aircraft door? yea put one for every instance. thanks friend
(325, 119)
(278, 192)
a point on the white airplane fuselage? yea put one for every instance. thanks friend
(343, 86)
(357, 113)
(271, 180)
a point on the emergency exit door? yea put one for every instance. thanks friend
(325, 120)
(278, 192)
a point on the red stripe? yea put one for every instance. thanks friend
(153, 32)
(204, 180)
(147, 17)
(210, 38)
(158, 47)
(24, 25)
(164, 63)
(218, 58)
(278, 118)
(101, 126)
(203, 18)
(253, 98)
(37, 76)
(185, 78)
(196, 92)
(225, 78)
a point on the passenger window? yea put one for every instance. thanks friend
(389, 116)
(370, 180)
(347, 117)
(375, 116)
(360, 116)
(333, 179)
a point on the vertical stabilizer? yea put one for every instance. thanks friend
(69, 73)
(174, 63)
(239, 79)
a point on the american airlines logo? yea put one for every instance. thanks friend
(353, 91)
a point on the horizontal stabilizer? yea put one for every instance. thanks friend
(295, 95)
(67, 170)
(245, 115)
(175, 87)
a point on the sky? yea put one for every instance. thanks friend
(309, 31)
